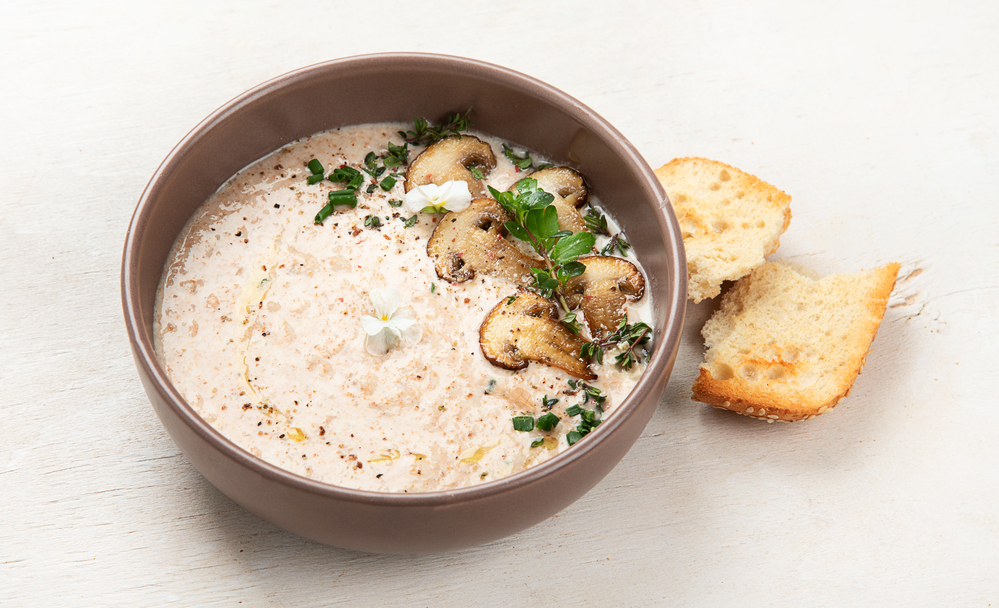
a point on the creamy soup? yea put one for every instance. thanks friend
(258, 325)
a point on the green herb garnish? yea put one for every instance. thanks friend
(317, 170)
(349, 175)
(396, 156)
(535, 221)
(336, 197)
(596, 222)
(410, 222)
(616, 242)
(547, 422)
(547, 404)
(537, 443)
(522, 163)
(394, 203)
(476, 172)
(424, 134)
(523, 423)
(627, 336)
(387, 183)
(573, 436)
(372, 221)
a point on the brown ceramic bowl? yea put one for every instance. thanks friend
(397, 87)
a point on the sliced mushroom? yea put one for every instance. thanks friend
(470, 241)
(570, 192)
(603, 289)
(449, 159)
(528, 329)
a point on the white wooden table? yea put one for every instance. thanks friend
(880, 119)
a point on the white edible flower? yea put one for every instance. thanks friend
(392, 325)
(451, 196)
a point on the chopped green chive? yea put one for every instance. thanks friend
(523, 423)
(350, 175)
(410, 222)
(315, 178)
(372, 221)
(316, 167)
(433, 287)
(394, 203)
(387, 183)
(572, 437)
(324, 213)
(476, 172)
(343, 197)
(371, 188)
(540, 441)
(547, 422)
(573, 410)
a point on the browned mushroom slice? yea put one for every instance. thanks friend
(570, 192)
(470, 241)
(528, 329)
(602, 290)
(449, 159)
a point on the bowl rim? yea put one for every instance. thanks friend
(144, 351)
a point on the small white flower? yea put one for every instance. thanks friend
(451, 196)
(392, 325)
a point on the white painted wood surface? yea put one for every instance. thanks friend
(881, 119)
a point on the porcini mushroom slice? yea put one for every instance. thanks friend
(449, 159)
(470, 241)
(528, 329)
(570, 192)
(603, 289)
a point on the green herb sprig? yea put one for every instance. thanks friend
(423, 133)
(588, 419)
(590, 393)
(596, 222)
(535, 221)
(523, 163)
(628, 336)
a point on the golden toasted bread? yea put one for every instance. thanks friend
(730, 220)
(785, 346)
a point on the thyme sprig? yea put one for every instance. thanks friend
(423, 133)
(523, 163)
(588, 419)
(596, 222)
(627, 336)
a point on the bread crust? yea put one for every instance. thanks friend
(773, 366)
(730, 220)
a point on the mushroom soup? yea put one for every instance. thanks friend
(357, 314)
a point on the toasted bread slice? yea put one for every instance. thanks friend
(730, 220)
(784, 346)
